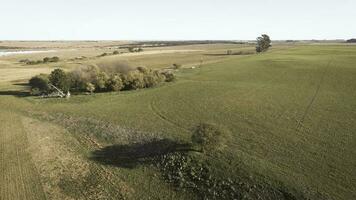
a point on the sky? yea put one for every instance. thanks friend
(176, 19)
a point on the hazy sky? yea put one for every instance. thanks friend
(176, 19)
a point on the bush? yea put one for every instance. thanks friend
(59, 78)
(46, 59)
(114, 83)
(90, 87)
(143, 69)
(207, 136)
(115, 52)
(150, 80)
(168, 76)
(39, 83)
(133, 80)
(177, 66)
(100, 81)
(103, 54)
(54, 59)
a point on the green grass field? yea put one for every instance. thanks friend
(290, 112)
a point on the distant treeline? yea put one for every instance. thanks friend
(353, 40)
(179, 43)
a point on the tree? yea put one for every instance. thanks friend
(59, 78)
(207, 136)
(100, 81)
(114, 83)
(90, 87)
(46, 59)
(39, 83)
(263, 43)
(133, 80)
(54, 59)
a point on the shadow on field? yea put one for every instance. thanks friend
(14, 93)
(129, 156)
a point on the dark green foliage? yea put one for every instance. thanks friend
(263, 43)
(353, 40)
(60, 79)
(207, 136)
(39, 84)
(115, 52)
(46, 59)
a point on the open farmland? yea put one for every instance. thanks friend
(290, 115)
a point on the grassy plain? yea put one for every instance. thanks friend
(290, 112)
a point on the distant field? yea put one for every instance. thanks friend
(291, 113)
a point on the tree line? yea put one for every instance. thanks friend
(92, 79)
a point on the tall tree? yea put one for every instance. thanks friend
(263, 43)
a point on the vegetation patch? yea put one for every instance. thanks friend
(43, 61)
(92, 78)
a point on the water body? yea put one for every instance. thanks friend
(8, 52)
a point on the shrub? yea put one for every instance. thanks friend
(133, 80)
(143, 69)
(207, 136)
(150, 80)
(168, 76)
(46, 59)
(100, 81)
(131, 49)
(39, 83)
(54, 59)
(103, 54)
(90, 87)
(115, 52)
(114, 83)
(177, 66)
(59, 78)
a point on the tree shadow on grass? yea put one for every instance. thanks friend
(132, 155)
(16, 93)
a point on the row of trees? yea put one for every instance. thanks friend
(93, 79)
